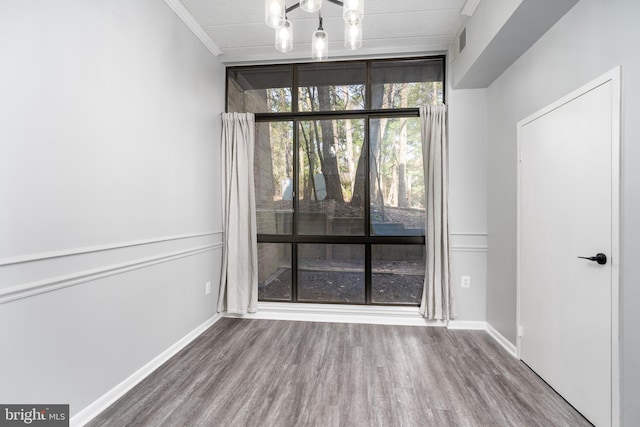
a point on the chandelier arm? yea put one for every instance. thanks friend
(338, 2)
(293, 7)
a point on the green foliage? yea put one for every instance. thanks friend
(279, 100)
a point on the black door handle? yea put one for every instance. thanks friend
(599, 258)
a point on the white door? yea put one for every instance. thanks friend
(567, 209)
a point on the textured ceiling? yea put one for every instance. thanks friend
(390, 27)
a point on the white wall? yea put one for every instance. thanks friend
(468, 198)
(498, 33)
(594, 37)
(110, 219)
(488, 18)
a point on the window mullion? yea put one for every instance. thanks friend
(296, 207)
(367, 205)
(294, 90)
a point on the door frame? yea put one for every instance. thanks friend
(613, 76)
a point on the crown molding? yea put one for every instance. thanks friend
(192, 24)
(469, 7)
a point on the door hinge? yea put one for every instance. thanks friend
(520, 331)
(520, 155)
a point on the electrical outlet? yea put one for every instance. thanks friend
(207, 288)
(465, 281)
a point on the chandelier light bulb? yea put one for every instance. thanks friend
(320, 45)
(310, 5)
(274, 13)
(284, 37)
(353, 11)
(353, 35)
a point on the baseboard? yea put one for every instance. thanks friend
(510, 347)
(341, 313)
(102, 403)
(469, 325)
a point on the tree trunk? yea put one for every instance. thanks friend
(310, 185)
(349, 153)
(348, 129)
(402, 152)
(329, 159)
(377, 101)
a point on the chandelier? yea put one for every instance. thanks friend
(352, 12)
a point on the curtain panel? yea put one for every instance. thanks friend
(239, 282)
(437, 296)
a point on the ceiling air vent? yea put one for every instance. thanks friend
(462, 40)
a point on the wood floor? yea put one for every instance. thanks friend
(276, 373)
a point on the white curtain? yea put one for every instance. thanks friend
(239, 289)
(437, 296)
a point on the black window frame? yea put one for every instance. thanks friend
(366, 114)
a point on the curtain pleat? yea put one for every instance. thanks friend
(437, 296)
(239, 281)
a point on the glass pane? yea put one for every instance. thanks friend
(331, 273)
(331, 177)
(397, 273)
(407, 84)
(396, 177)
(259, 89)
(274, 271)
(331, 87)
(273, 176)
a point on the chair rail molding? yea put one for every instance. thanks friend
(99, 248)
(470, 241)
(55, 283)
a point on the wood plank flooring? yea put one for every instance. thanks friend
(270, 373)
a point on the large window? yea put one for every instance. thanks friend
(339, 177)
